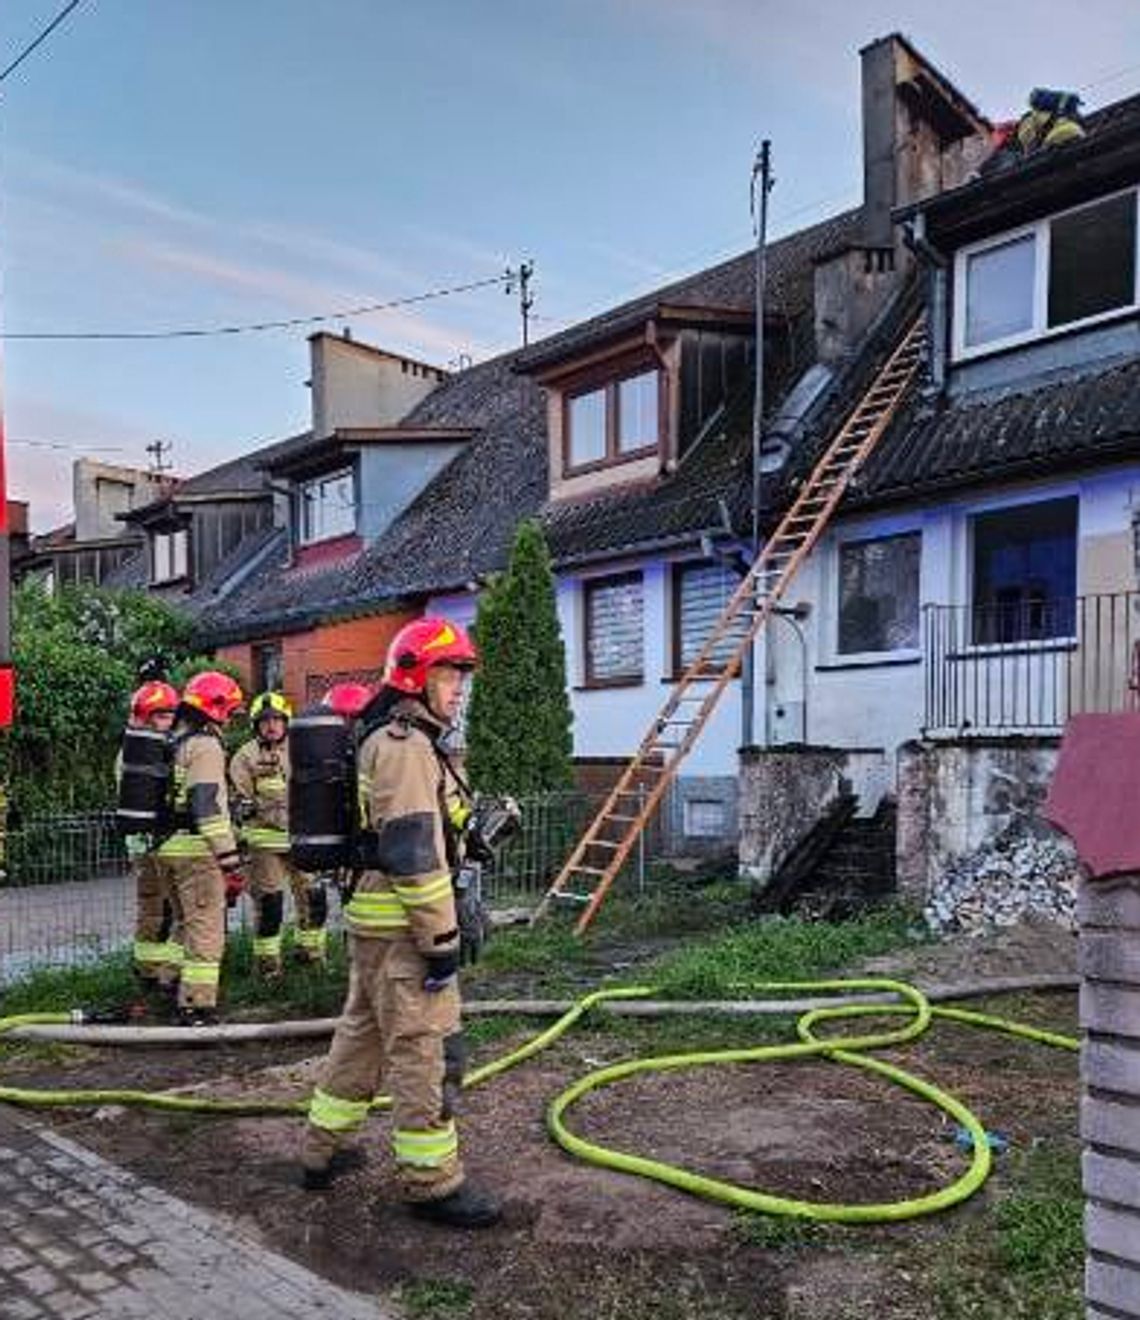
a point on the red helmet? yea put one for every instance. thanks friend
(419, 645)
(153, 698)
(214, 694)
(348, 699)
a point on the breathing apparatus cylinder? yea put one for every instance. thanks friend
(322, 790)
(144, 781)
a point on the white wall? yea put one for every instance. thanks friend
(880, 701)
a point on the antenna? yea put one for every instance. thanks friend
(526, 298)
(158, 449)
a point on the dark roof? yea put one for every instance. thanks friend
(1063, 421)
(729, 285)
(242, 476)
(458, 528)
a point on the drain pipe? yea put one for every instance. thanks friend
(938, 265)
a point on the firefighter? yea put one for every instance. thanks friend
(157, 948)
(400, 1022)
(259, 774)
(200, 858)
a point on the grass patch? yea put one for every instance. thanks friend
(779, 1232)
(435, 1299)
(1027, 1261)
(779, 949)
(542, 950)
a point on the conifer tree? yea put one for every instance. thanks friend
(518, 727)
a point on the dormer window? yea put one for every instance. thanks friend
(170, 555)
(327, 507)
(613, 422)
(1072, 269)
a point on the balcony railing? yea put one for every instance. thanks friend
(1026, 666)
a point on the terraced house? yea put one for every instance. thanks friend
(629, 436)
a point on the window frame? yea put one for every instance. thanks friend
(677, 572)
(321, 479)
(830, 656)
(171, 536)
(1040, 230)
(610, 387)
(973, 647)
(261, 653)
(589, 587)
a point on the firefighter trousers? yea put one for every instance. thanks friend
(158, 946)
(393, 1033)
(270, 873)
(200, 910)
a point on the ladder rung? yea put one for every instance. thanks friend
(623, 819)
(566, 896)
(605, 843)
(588, 870)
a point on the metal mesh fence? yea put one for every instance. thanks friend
(69, 897)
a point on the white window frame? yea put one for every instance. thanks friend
(1040, 230)
(176, 554)
(829, 656)
(964, 536)
(320, 532)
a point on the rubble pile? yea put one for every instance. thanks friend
(1026, 873)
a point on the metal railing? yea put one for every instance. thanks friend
(1026, 666)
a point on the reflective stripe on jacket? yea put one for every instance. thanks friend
(260, 776)
(201, 803)
(401, 784)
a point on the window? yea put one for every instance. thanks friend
(999, 291)
(614, 630)
(1092, 260)
(328, 507)
(268, 667)
(1070, 268)
(170, 555)
(700, 593)
(878, 594)
(704, 819)
(1025, 573)
(614, 422)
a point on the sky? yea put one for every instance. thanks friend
(171, 164)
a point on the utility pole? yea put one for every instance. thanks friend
(761, 186)
(158, 449)
(526, 297)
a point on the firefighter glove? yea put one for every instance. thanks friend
(441, 970)
(235, 884)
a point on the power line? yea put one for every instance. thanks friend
(65, 444)
(51, 27)
(258, 326)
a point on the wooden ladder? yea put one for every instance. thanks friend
(600, 853)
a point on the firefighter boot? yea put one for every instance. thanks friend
(466, 1207)
(317, 1178)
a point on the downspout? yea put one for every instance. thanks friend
(937, 265)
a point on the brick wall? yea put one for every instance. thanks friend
(1110, 1099)
(329, 652)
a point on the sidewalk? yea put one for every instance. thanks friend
(83, 1240)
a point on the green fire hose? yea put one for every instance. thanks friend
(850, 1050)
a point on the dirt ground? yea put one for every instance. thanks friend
(578, 1241)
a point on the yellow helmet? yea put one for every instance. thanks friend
(270, 703)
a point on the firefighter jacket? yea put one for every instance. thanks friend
(403, 802)
(201, 811)
(259, 773)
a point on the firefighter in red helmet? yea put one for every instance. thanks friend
(400, 1024)
(201, 856)
(157, 950)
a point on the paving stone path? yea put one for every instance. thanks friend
(83, 1240)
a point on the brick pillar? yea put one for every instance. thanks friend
(1110, 1099)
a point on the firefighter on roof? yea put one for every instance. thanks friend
(259, 774)
(200, 859)
(400, 1025)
